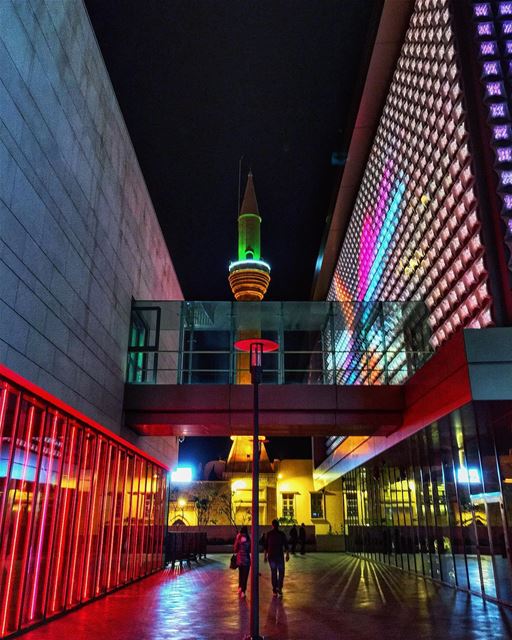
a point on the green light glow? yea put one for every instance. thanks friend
(249, 236)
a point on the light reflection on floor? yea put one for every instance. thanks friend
(327, 597)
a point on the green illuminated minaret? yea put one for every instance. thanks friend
(249, 276)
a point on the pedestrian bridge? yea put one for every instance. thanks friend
(341, 369)
(320, 343)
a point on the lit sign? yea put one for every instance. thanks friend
(182, 474)
(470, 475)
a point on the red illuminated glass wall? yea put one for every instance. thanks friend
(81, 513)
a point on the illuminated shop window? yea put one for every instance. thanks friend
(288, 505)
(317, 505)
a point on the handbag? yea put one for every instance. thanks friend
(232, 563)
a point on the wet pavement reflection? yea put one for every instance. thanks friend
(326, 597)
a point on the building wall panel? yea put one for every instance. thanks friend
(78, 233)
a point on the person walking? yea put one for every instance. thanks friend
(293, 539)
(242, 548)
(302, 538)
(275, 546)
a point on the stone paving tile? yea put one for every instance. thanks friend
(326, 597)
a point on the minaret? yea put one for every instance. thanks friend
(249, 276)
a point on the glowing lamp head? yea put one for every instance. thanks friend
(238, 485)
(181, 475)
(182, 502)
(469, 475)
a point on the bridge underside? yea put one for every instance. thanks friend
(285, 410)
(447, 381)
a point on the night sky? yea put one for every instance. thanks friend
(202, 83)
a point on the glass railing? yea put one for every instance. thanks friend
(178, 342)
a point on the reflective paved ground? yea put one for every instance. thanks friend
(326, 597)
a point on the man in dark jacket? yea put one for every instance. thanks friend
(275, 546)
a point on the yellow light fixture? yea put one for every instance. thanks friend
(237, 485)
(182, 503)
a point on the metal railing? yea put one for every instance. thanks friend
(175, 342)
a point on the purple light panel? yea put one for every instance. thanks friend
(488, 48)
(497, 95)
(485, 29)
(501, 132)
(495, 89)
(498, 110)
(481, 9)
(491, 68)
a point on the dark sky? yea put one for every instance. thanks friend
(202, 83)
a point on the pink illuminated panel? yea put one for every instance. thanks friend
(76, 509)
(414, 233)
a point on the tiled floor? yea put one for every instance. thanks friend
(326, 597)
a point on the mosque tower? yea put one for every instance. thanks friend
(249, 276)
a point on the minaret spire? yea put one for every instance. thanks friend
(249, 202)
(249, 276)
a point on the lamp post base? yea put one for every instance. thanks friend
(249, 637)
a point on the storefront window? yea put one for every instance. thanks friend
(439, 503)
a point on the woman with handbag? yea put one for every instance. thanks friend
(242, 549)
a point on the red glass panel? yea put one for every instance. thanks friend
(18, 522)
(162, 525)
(106, 525)
(146, 522)
(142, 517)
(64, 541)
(9, 413)
(76, 567)
(127, 516)
(9, 406)
(44, 509)
(153, 522)
(94, 519)
(138, 507)
(157, 524)
(114, 559)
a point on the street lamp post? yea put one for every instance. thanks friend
(256, 347)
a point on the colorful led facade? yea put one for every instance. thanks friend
(81, 512)
(493, 32)
(414, 233)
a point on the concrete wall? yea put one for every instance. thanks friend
(78, 234)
